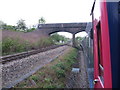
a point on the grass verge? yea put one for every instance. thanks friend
(52, 75)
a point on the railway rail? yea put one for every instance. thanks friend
(9, 58)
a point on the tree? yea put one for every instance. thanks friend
(21, 25)
(3, 25)
(59, 38)
(55, 37)
(79, 39)
(41, 20)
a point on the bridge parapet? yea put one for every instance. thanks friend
(62, 25)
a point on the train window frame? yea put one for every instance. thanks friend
(91, 33)
(100, 61)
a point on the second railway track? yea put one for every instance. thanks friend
(9, 58)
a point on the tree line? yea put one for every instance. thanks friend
(21, 25)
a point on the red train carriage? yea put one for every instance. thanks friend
(106, 43)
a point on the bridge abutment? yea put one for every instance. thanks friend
(73, 40)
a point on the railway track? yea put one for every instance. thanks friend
(14, 70)
(9, 58)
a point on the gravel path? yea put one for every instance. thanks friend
(16, 71)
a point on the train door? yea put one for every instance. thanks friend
(98, 63)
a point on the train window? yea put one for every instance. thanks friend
(91, 33)
(100, 62)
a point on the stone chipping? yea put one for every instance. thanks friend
(15, 71)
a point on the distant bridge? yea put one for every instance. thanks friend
(72, 28)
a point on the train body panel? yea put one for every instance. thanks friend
(106, 29)
(101, 48)
(106, 43)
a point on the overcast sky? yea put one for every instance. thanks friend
(54, 11)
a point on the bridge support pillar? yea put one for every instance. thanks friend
(73, 40)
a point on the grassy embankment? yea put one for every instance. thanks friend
(52, 75)
(16, 45)
(15, 42)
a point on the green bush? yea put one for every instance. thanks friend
(44, 42)
(31, 29)
(61, 65)
(48, 80)
(35, 78)
(60, 73)
(59, 69)
(12, 45)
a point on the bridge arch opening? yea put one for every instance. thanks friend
(78, 37)
(64, 33)
(62, 37)
(72, 39)
(81, 34)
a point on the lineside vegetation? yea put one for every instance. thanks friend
(12, 45)
(52, 75)
(16, 45)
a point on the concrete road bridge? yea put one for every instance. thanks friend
(72, 28)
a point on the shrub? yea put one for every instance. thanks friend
(34, 77)
(12, 45)
(48, 80)
(44, 42)
(59, 69)
(61, 65)
(60, 73)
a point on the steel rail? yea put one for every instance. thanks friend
(9, 58)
